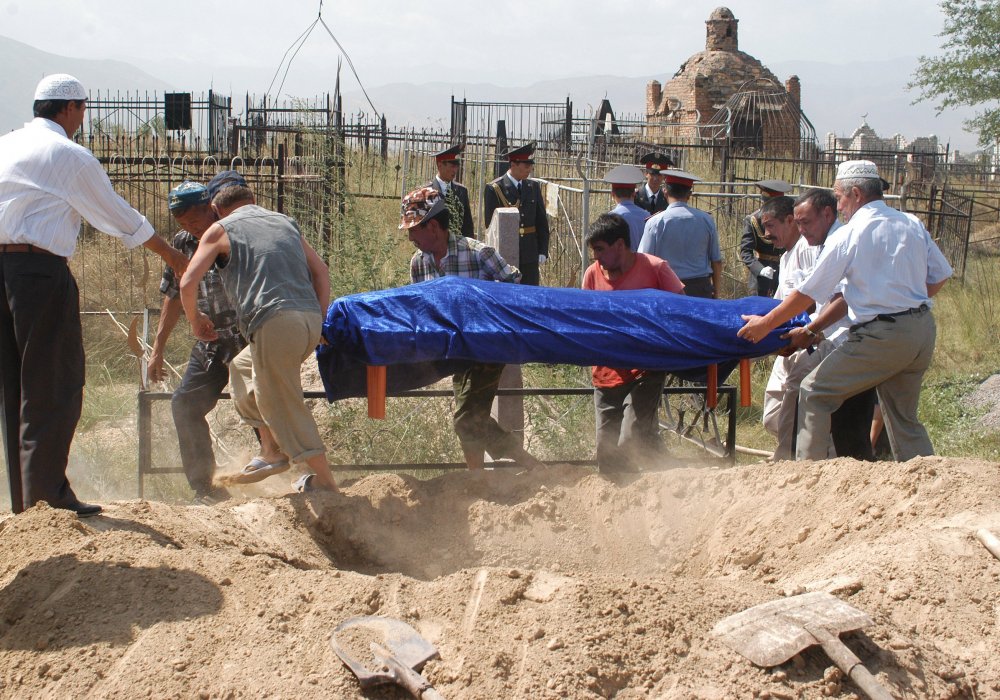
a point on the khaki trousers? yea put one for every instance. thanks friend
(267, 385)
(892, 355)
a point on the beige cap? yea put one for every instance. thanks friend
(60, 86)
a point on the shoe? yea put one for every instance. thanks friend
(258, 470)
(82, 510)
(304, 484)
(211, 497)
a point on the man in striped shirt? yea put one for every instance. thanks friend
(439, 253)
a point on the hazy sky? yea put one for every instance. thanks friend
(239, 45)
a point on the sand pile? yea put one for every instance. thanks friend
(541, 585)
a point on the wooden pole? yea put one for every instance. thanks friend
(376, 391)
(745, 398)
(712, 389)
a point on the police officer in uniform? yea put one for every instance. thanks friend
(650, 196)
(623, 180)
(456, 196)
(756, 251)
(514, 189)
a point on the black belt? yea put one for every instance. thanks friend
(25, 248)
(891, 318)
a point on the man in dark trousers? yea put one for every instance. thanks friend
(757, 252)
(515, 189)
(47, 183)
(207, 372)
(455, 194)
(650, 196)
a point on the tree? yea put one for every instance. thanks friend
(968, 71)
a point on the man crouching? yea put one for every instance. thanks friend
(280, 287)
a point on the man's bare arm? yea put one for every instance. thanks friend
(717, 277)
(320, 274)
(213, 243)
(834, 311)
(934, 288)
(169, 313)
(757, 327)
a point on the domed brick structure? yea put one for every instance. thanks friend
(710, 79)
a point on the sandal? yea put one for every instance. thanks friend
(258, 470)
(306, 484)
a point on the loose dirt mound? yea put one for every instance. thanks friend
(552, 584)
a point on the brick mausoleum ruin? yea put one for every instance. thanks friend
(726, 96)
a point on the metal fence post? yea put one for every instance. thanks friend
(281, 178)
(144, 424)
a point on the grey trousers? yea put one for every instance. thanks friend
(891, 355)
(628, 430)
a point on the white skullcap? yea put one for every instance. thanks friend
(857, 170)
(60, 86)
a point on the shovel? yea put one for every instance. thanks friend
(771, 633)
(395, 649)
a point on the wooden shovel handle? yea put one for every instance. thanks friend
(989, 540)
(849, 663)
(404, 675)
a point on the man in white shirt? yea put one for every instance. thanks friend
(781, 394)
(815, 218)
(47, 182)
(891, 269)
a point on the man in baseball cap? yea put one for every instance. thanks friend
(207, 372)
(224, 179)
(441, 253)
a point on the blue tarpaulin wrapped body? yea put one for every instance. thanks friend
(424, 332)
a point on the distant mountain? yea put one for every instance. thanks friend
(834, 97)
(24, 66)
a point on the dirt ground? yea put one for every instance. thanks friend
(548, 584)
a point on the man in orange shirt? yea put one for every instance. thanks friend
(625, 400)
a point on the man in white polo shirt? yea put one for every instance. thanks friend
(892, 269)
(47, 182)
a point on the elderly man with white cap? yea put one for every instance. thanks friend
(47, 183)
(891, 269)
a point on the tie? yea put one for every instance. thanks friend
(519, 189)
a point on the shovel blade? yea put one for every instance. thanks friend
(771, 633)
(404, 642)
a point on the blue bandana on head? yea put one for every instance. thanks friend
(187, 194)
